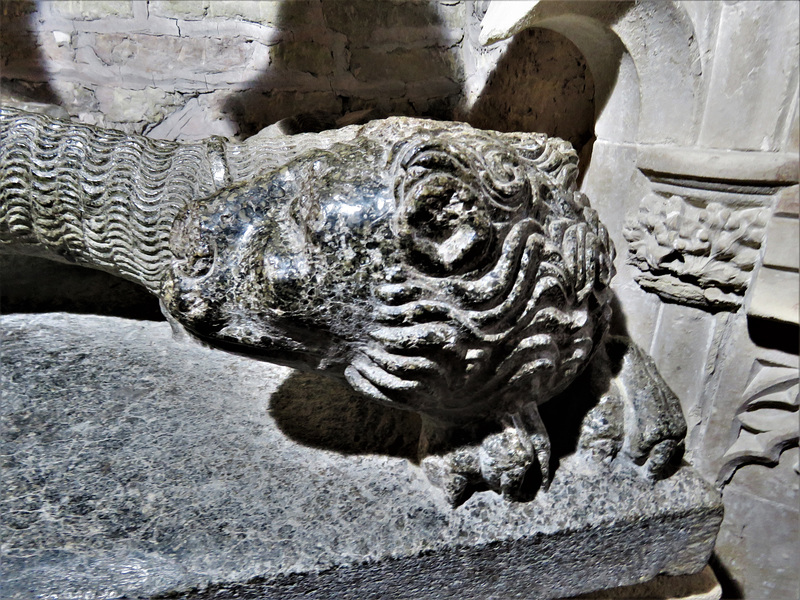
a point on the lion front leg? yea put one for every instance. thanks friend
(501, 460)
(637, 414)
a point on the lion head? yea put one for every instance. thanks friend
(434, 266)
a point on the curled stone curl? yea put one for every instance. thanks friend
(506, 277)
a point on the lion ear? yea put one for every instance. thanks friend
(442, 222)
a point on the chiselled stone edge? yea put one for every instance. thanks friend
(535, 567)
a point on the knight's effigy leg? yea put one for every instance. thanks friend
(447, 274)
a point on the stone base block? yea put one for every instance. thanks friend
(140, 466)
(698, 586)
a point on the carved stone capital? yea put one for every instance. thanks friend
(697, 238)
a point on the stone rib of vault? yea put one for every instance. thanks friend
(140, 466)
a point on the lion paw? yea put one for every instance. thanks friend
(638, 415)
(501, 462)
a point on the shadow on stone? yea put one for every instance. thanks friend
(321, 412)
(35, 285)
(348, 52)
(541, 83)
(731, 590)
(325, 413)
(777, 335)
(18, 44)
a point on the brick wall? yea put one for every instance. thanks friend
(193, 68)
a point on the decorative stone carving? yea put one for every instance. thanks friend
(436, 268)
(766, 423)
(697, 238)
(698, 254)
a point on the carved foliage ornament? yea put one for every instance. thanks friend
(701, 254)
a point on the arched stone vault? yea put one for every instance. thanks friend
(624, 44)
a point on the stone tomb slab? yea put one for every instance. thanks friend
(137, 465)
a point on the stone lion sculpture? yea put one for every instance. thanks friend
(437, 268)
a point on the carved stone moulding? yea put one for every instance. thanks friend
(776, 288)
(694, 251)
(766, 422)
(697, 238)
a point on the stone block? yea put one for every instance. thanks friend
(196, 120)
(789, 202)
(77, 97)
(302, 17)
(776, 295)
(179, 9)
(751, 79)
(90, 10)
(123, 105)
(234, 31)
(257, 12)
(18, 59)
(138, 465)
(783, 243)
(402, 64)
(722, 165)
(167, 56)
(700, 586)
(432, 36)
(348, 86)
(308, 57)
(453, 14)
(679, 363)
(359, 19)
(433, 88)
(15, 10)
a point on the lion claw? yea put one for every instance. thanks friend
(502, 461)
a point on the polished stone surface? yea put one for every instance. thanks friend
(138, 465)
(434, 267)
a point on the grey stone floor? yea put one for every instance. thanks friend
(136, 465)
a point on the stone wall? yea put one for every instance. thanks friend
(188, 69)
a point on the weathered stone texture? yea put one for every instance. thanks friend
(257, 12)
(406, 65)
(116, 50)
(179, 9)
(697, 129)
(308, 57)
(93, 9)
(537, 67)
(139, 465)
(678, 87)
